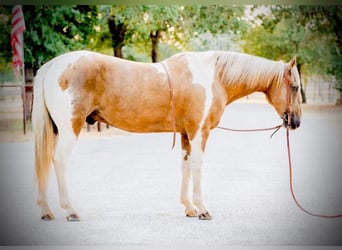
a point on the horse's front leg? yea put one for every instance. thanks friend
(196, 162)
(190, 209)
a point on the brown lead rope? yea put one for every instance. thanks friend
(291, 183)
(276, 128)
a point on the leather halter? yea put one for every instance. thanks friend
(172, 103)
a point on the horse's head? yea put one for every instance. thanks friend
(285, 96)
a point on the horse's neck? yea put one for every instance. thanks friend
(244, 75)
(239, 90)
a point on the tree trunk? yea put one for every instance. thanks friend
(338, 32)
(118, 52)
(117, 31)
(301, 86)
(335, 18)
(155, 40)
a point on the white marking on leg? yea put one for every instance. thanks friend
(196, 162)
(186, 174)
(46, 213)
(202, 69)
(64, 147)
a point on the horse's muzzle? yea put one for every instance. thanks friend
(293, 122)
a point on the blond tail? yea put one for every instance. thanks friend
(44, 136)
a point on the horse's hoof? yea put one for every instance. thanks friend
(205, 216)
(191, 212)
(73, 217)
(47, 217)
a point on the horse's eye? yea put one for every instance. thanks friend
(294, 88)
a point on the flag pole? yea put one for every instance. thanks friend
(25, 108)
(23, 92)
(17, 43)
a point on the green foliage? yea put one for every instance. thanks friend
(215, 19)
(309, 32)
(5, 27)
(6, 72)
(52, 30)
(177, 25)
(144, 21)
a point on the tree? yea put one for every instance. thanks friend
(161, 23)
(326, 20)
(215, 19)
(117, 31)
(284, 31)
(5, 26)
(5, 47)
(52, 30)
(145, 26)
(212, 24)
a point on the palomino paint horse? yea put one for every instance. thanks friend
(187, 92)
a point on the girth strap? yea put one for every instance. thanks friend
(173, 109)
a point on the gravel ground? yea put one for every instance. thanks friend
(126, 187)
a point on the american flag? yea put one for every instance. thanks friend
(17, 29)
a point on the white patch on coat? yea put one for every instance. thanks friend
(203, 69)
(59, 101)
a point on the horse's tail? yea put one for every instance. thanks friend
(43, 130)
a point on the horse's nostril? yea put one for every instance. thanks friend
(294, 125)
(295, 121)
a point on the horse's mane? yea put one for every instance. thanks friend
(252, 71)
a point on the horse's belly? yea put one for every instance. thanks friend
(141, 122)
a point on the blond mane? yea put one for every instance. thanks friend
(252, 71)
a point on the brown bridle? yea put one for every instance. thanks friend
(287, 114)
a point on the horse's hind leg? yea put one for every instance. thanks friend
(46, 213)
(65, 142)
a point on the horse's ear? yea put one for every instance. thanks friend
(292, 63)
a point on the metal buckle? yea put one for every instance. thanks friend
(285, 118)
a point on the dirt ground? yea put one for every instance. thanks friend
(126, 186)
